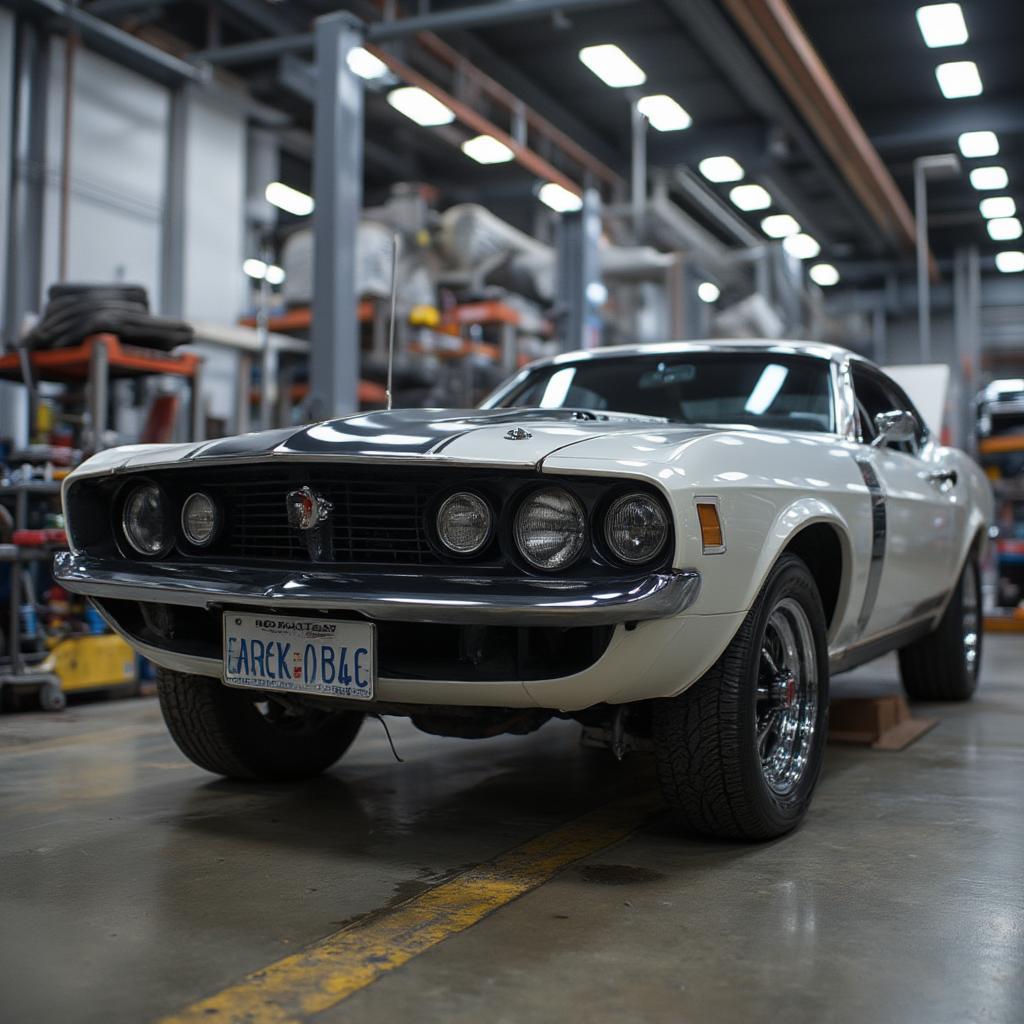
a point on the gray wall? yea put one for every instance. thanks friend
(12, 397)
(118, 159)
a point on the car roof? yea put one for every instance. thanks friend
(817, 350)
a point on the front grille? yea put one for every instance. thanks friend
(379, 516)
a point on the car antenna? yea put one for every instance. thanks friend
(395, 244)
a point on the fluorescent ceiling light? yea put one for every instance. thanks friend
(780, 225)
(1010, 262)
(259, 270)
(486, 149)
(767, 389)
(959, 78)
(612, 66)
(997, 206)
(802, 246)
(974, 144)
(985, 178)
(824, 274)
(750, 197)
(720, 168)
(418, 105)
(364, 64)
(708, 291)
(942, 25)
(1004, 229)
(559, 198)
(664, 113)
(289, 199)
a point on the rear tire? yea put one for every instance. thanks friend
(250, 735)
(944, 665)
(739, 753)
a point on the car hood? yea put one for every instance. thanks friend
(509, 437)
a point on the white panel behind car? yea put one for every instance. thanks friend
(927, 386)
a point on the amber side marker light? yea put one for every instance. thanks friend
(712, 538)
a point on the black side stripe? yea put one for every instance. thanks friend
(867, 471)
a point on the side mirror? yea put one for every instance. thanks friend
(894, 426)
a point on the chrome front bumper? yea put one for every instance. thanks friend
(406, 597)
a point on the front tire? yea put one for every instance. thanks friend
(944, 664)
(739, 753)
(249, 735)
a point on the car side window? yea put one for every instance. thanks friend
(875, 394)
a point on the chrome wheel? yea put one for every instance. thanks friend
(970, 617)
(786, 708)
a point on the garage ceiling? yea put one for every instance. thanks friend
(692, 50)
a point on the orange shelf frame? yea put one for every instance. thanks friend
(72, 364)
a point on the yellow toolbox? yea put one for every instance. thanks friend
(91, 662)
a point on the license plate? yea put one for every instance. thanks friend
(275, 652)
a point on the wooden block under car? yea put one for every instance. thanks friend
(883, 723)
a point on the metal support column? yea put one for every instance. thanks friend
(338, 189)
(924, 299)
(172, 253)
(638, 172)
(579, 274)
(24, 253)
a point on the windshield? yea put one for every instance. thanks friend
(763, 389)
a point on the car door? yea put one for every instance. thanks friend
(914, 492)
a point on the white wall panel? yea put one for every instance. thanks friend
(118, 167)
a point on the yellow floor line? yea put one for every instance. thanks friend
(310, 982)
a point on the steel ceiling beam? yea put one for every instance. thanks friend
(478, 16)
(118, 45)
(775, 34)
(257, 50)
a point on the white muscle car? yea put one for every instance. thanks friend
(674, 543)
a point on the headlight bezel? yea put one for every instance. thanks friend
(585, 544)
(434, 519)
(618, 557)
(218, 522)
(124, 537)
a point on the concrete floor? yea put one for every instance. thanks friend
(132, 884)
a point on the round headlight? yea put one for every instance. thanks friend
(199, 519)
(550, 528)
(636, 528)
(145, 521)
(464, 523)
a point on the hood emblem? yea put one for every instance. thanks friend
(307, 510)
(517, 434)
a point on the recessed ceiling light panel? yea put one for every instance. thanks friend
(750, 197)
(976, 144)
(559, 198)
(1010, 262)
(959, 78)
(664, 113)
(986, 178)
(612, 66)
(824, 274)
(1004, 229)
(997, 206)
(942, 25)
(708, 291)
(780, 225)
(802, 246)
(419, 106)
(720, 168)
(486, 149)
